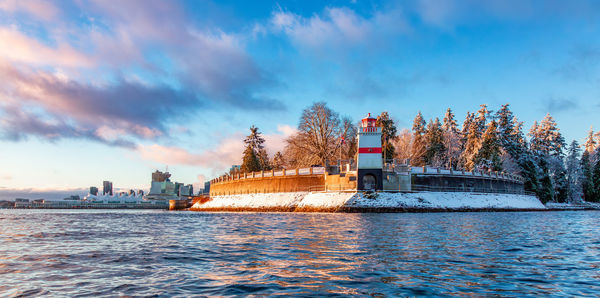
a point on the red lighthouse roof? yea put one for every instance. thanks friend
(369, 121)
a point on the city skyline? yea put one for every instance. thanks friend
(91, 91)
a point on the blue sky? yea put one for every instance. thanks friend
(95, 90)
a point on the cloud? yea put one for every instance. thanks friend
(16, 46)
(228, 152)
(40, 193)
(123, 75)
(209, 61)
(95, 112)
(44, 10)
(339, 28)
(555, 105)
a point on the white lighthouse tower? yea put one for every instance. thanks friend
(370, 163)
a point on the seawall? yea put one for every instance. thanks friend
(370, 202)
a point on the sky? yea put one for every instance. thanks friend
(113, 90)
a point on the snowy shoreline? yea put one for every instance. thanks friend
(371, 202)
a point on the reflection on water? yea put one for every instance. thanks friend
(107, 253)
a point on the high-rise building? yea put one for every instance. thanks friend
(93, 190)
(107, 188)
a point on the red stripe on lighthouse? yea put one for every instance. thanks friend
(369, 150)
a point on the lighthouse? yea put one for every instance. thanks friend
(370, 163)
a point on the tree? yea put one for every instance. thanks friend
(254, 153)
(403, 144)
(263, 159)
(388, 133)
(278, 161)
(434, 143)
(488, 156)
(590, 142)
(463, 138)
(317, 139)
(452, 142)
(250, 162)
(574, 173)
(587, 170)
(348, 143)
(418, 144)
(596, 178)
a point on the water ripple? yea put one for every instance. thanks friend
(145, 252)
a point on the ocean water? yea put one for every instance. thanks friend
(145, 252)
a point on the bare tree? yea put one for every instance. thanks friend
(317, 139)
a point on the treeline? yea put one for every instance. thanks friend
(486, 141)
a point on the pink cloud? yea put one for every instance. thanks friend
(228, 152)
(44, 10)
(17, 47)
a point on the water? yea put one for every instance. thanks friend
(110, 253)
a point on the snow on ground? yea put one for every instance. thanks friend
(259, 200)
(326, 199)
(329, 200)
(447, 200)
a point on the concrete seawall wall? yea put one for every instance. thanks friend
(303, 183)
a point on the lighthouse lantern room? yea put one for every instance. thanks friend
(369, 163)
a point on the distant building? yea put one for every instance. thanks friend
(21, 200)
(93, 190)
(107, 188)
(235, 169)
(159, 176)
(72, 198)
(186, 190)
(207, 187)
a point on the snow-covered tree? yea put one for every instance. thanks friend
(590, 141)
(452, 140)
(255, 157)
(418, 144)
(587, 171)
(596, 178)
(464, 135)
(403, 144)
(488, 156)
(574, 173)
(278, 161)
(434, 143)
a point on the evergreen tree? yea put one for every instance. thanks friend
(488, 156)
(434, 143)
(263, 159)
(250, 162)
(590, 142)
(596, 178)
(278, 161)
(546, 191)
(452, 142)
(587, 170)
(388, 133)
(255, 157)
(574, 173)
(418, 145)
(464, 135)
